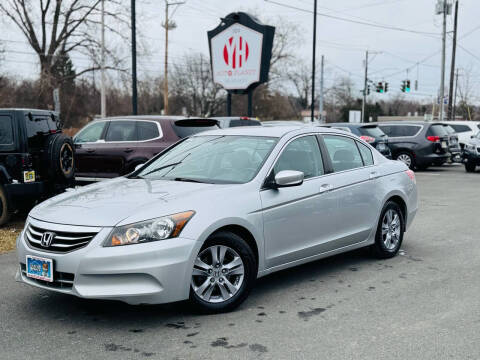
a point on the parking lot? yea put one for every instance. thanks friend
(423, 304)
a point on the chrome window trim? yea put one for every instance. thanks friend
(159, 127)
(403, 137)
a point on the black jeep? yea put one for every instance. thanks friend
(36, 159)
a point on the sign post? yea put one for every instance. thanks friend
(240, 53)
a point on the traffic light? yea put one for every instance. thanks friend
(379, 88)
(407, 88)
(386, 87)
(368, 89)
(404, 86)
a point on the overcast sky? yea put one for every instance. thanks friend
(343, 43)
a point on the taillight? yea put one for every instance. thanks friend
(411, 175)
(368, 139)
(433, 138)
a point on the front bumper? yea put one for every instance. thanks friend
(149, 273)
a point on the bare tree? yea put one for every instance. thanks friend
(57, 28)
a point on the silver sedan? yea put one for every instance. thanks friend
(206, 217)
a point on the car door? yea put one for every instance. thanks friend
(296, 219)
(88, 142)
(354, 177)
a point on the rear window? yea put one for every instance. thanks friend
(460, 128)
(188, 127)
(240, 122)
(437, 130)
(6, 130)
(400, 130)
(449, 129)
(373, 131)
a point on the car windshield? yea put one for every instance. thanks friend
(212, 159)
(373, 131)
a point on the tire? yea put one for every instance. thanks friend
(212, 288)
(388, 242)
(470, 167)
(5, 210)
(407, 159)
(60, 158)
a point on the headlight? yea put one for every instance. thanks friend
(162, 228)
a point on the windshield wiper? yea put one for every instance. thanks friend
(190, 180)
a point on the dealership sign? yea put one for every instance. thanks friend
(240, 52)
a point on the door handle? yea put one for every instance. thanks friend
(325, 188)
(90, 150)
(128, 150)
(373, 175)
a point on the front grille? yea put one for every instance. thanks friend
(62, 241)
(61, 280)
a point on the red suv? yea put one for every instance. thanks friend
(114, 146)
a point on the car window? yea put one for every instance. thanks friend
(6, 130)
(121, 131)
(343, 153)
(187, 127)
(400, 130)
(373, 131)
(449, 129)
(437, 130)
(37, 129)
(302, 154)
(366, 154)
(90, 133)
(460, 128)
(147, 130)
(240, 122)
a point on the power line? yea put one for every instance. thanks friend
(381, 26)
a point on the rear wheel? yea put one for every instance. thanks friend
(407, 159)
(5, 211)
(389, 236)
(470, 167)
(223, 273)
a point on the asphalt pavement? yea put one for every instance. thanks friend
(423, 304)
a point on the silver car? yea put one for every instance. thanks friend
(205, 218)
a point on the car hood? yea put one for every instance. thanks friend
(119, 200)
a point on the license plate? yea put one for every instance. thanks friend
(28, 176)
(444, 144)
(40, 268)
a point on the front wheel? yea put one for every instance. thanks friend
(407, 159)
(223, 273)
(389, 236)
(470, 167)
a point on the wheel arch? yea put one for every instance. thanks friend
(398, 199)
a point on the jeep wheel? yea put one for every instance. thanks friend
(5, 211)
(61, 158)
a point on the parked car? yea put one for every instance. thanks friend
(453, 144)
(370, 133)
(36, 159)
(113, 147)
(234, 121)
(471, 153)
(464, 130)
(204, 219)
(417, 144)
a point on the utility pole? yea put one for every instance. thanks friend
(320, 107)
(444, 11)
(134, 61)
(455, 98)
(452, 70)
(365, 84)
(168, 25)
(103, 102)
(312, 115)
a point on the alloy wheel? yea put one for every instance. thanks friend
(66, 158)
(406, 159)
(218, 274)
(391, 229)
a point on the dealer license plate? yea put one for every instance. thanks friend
(40, 268)
(28, 176)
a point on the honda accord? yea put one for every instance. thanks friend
(211, 214)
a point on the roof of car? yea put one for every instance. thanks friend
(270, 131)
(150, 117)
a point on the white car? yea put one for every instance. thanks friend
(464, 129)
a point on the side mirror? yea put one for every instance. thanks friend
(288, 178)
(138, 166)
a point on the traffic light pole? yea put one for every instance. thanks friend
(312, 110)
(452, 70)
(442, 79)
(364, 102)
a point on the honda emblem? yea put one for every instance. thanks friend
(47, 238)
